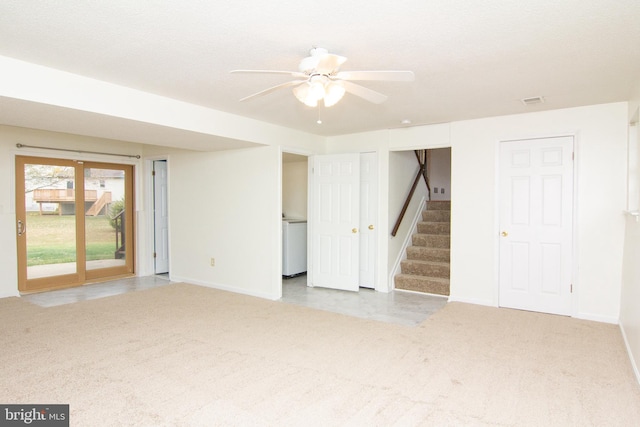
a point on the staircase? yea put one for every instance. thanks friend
(426, 268)
(97, 206)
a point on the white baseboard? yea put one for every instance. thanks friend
(597, 318)
(487, 303)
(9, 294)
(224, 288)
(634, 365)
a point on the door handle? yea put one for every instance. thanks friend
(371, 227)
(354, 230)
(21, 228)
(504, 234)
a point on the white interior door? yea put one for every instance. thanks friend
(368, 218)
(536, 201)
(336, 216)
(161, 217)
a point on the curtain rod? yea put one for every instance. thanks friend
(133, 156)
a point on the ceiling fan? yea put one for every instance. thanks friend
(319, 78)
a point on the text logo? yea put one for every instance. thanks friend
(34, 415)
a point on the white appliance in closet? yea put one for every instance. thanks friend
(294, 247)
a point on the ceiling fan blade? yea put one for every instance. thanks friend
(364, 93)
(273, 89)
(394, 76)
(328, 63)
(295, 74)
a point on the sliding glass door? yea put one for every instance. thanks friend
(74, 222)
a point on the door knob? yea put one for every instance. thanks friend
(371, 227)
(354, 230)
(504, 234)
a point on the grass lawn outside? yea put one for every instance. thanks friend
(51, 239)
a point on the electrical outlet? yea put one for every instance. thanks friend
(213, 262)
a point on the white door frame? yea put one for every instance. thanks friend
(145, 254)
(575, 213)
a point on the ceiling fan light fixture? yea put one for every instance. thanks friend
(304, 94)
(316, 89)
(334, 92)
(319, 78)
(319, 88)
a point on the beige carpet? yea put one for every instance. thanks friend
(183, 355)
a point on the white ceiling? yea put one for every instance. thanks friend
(471, 58)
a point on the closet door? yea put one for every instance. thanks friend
(336, 221)
(368, 219)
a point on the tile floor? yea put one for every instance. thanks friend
(399, 307)
(96, 290)
(406, 308)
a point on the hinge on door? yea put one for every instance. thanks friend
(573, 155)
(153, 173)
(571, 288)
(154, 254)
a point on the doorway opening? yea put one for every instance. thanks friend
(160, 217)
(295, 172)
(423, 189)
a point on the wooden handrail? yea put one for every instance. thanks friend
(120, 231)
(421, 155)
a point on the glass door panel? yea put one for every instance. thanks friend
(47, 225)
(50, 220)
(105, 217)
(108, 234)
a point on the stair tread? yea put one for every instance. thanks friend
(417, 276)
(422, 261)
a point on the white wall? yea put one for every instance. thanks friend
(600, 132)
(630, 295)
(226, 205)
(294, 189)
(73, 103)
(600, 196)
(403, 168)
(600, 190)
(9, 137)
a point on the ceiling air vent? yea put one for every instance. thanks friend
(533, 100)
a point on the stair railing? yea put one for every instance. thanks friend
(421, 155)
(120, 233)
